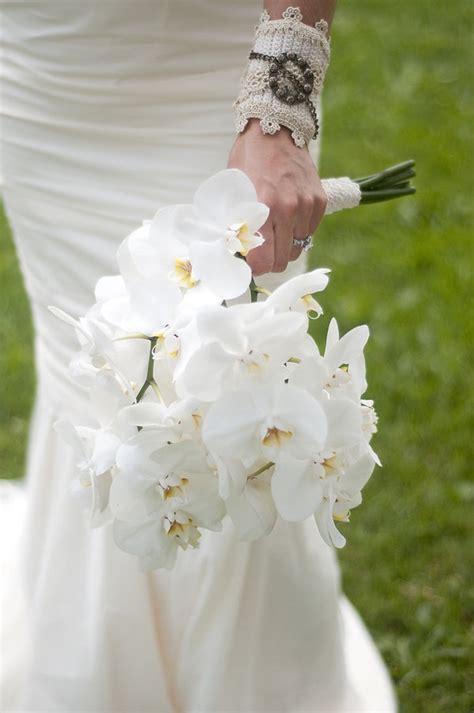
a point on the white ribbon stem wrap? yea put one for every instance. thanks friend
(342, 193)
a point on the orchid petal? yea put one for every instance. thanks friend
(286, 295)
(349, 347)
(223, 274)
(357, 475)
(325, 522)
(230, 427)
(344, 423)
(301, 414)
(204, 374)
(103, 454)
(215, 199)
(253, 512)
(296, 490)
(101, 513)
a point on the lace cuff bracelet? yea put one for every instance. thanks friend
(284, 76)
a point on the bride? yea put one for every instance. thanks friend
(110, 110)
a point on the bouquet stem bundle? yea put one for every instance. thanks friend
(393, 182)
(343, 193)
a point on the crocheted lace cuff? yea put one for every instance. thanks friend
(284, 76)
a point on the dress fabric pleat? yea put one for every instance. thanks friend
(110, 110)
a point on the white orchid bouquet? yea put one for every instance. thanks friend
(208, 396)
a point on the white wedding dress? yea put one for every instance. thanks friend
(110, 109)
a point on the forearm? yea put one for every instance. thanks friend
(275, 126)
(312, 10)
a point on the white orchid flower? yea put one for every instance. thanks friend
(156, 284)
(150, 470)
(201, 240)
(155, 540)
(257, 425)
(179, 420)
(340, 497)
(91, 489)
(224, 350)
(369, 425)
(297, 484)
(340, 371)
(344, 360)
(160, 496)
(104, 357)
(142, 298)
(296, 293)
(95, 446)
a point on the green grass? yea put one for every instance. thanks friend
(397, 88)
(17, 377)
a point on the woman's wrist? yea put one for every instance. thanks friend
(253, 132)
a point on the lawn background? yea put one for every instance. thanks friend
(398, 87)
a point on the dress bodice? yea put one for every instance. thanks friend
(110, 110)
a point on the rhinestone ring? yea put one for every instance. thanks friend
(304, 243)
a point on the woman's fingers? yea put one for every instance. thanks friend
(286, 180)
(313, 206)
(261, 259)
(320, 201)
(303, 222)
(284, 217)
(294, 216)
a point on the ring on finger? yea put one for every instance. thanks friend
(304, 243)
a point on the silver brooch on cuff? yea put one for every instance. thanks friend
(291, 80)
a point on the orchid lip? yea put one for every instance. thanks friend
(276, 437)
(183, 273)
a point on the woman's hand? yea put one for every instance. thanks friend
(287, 181)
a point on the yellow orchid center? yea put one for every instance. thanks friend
(329, 465)
(243, 234)
(183, 272)
(186, 533)
(163, 342)
(276, 437)
(197, 419)
(172, 491)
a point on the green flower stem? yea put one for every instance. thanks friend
(261, 470)
(385, 175)
(386, 195)
(396, 180)
(150, 379)
(138, 335)
(393, 182)
(254, 290)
